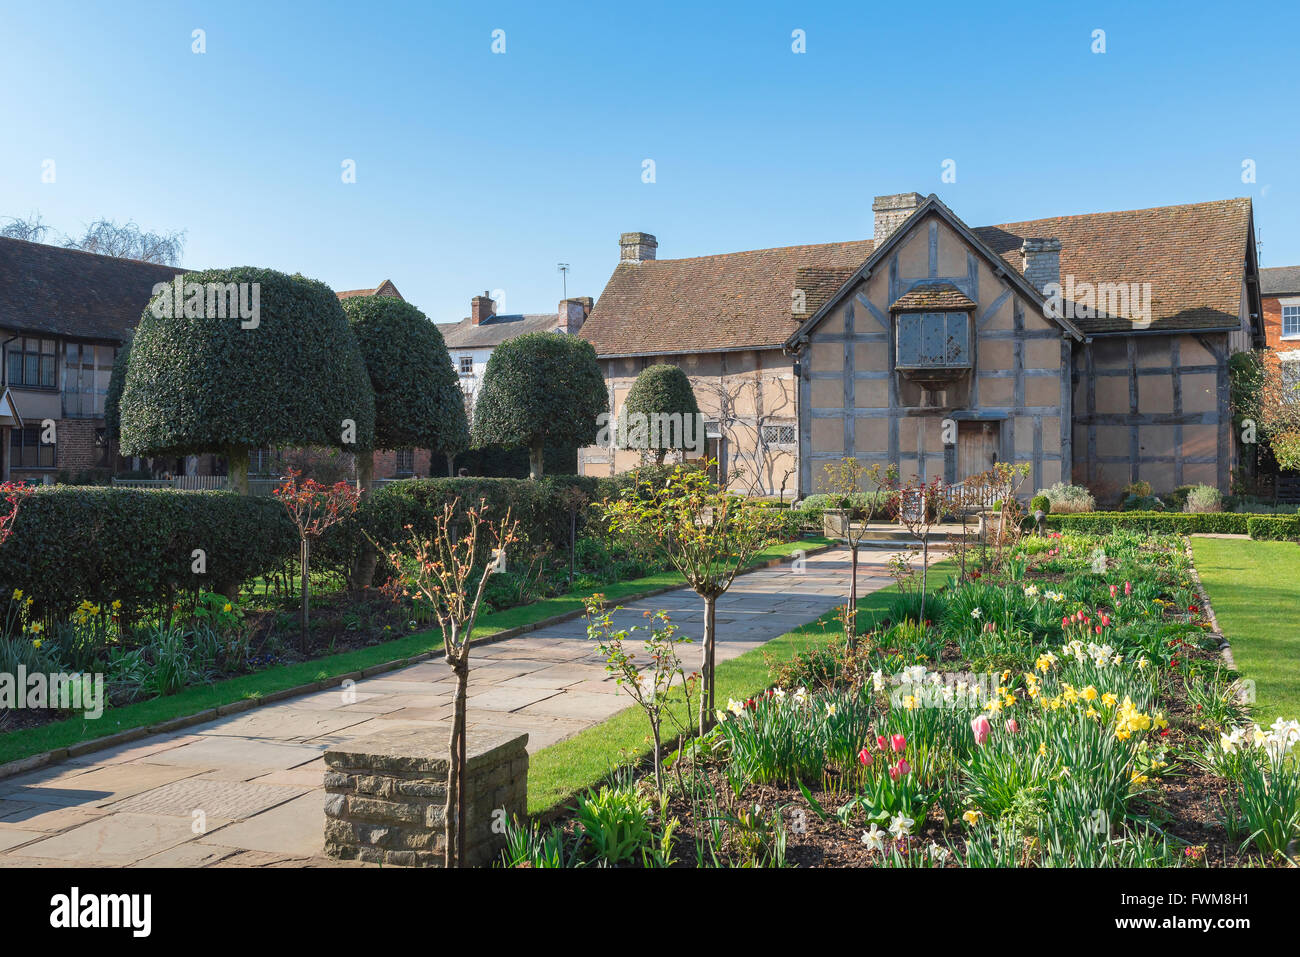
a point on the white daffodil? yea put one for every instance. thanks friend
(877, 680)
(976, 613)
(801, 695)
(914, 674)
(901, 826)
(874, 838)
(735, 707)
(938, 854)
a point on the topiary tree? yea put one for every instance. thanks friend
(660, 412)
(418, 402)
(229, 360)
(539, 388)
(113, 398)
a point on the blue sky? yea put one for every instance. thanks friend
(478, 171)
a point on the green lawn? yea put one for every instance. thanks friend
(1255, 591)
(557, 773)
(61, 734)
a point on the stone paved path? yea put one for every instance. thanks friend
(256, 777)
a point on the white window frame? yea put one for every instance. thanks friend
(466, 361)
(1292, 306)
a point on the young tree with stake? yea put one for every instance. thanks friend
(442, 569)
(707, 533)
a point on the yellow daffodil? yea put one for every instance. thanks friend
(971, 817)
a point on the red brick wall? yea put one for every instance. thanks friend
(1273, 322)
(386, 464)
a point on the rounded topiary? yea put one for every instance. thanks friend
(1040, 503)
(660, 390)
(540, 388)
(204, 377)
(418, 400)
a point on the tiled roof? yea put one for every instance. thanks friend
(385, 288)
(934, 295)
(1280, 281)
(494, 330)
(732, 301)
(51, 290)
(1193, 256)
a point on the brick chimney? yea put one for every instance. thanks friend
(481, 307)
(892, 211)
(636, 247)
(1041, 261)
(572, 314)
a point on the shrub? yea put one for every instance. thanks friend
(203, 383)
(1040, 503)
(1067, 499)
(1104, 523)
(73, 543)
(1203, 498)
(1273, 528)
(661, 389)
(541, 388)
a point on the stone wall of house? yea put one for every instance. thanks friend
(386, 796)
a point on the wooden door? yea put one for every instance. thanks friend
(977, 448)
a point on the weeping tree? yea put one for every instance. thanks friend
(230, 360)
(661, 414)
(540, 388)
(418, 401)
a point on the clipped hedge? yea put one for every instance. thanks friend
(1273, 528)
(1101, 523)
(74, 543)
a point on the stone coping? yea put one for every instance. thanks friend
(32, 762)
(413, 749)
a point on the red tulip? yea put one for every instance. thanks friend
(898, 742)
(880, 741)
(1105, 620)
(864, 757)
(899, 769)
(1097, 628)
(1065, 621)
(1114, 590)
(981, 727)
(1128, 588)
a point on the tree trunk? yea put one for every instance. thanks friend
(573, 544)
(925, 572)
(659, 456)
(706, 665)
(306, 556)
(363, 570)
(453, 816)
(535, 460)
(451, 465)
(237, 469)
(853, 599)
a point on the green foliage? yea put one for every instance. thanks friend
(1040, 503)
(615, 823)
(1273, 528)
(661, 390)
(541, 388)
(418, 401)
(75, 543)
(1066, 498)
(113, 400)
(1186, 523)
(202, 383)
(1203, 498)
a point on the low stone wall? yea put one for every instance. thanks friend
(386, 795)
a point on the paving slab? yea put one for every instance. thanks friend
(258, 775)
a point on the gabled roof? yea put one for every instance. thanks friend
(1194, 256)
(55, 291)
(709, 303)
(494, 330)
(385, 288)
(932, 206)
(1280, 281)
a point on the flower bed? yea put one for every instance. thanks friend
(1070, 708)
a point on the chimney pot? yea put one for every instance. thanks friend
(636, 247)
(892, 211)
(1041, 262)
(481, 307)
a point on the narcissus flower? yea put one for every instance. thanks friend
(874, 838)
(971, 817)
(901, 826)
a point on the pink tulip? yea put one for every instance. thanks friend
(880, 741)
(899, 769)
(1105, 620)
(982, 728)
(1065, 621)
(1012, 727)
(898, 742)
(1114, 590)
(1128, 588)
(1097, 628)
(864, 756)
